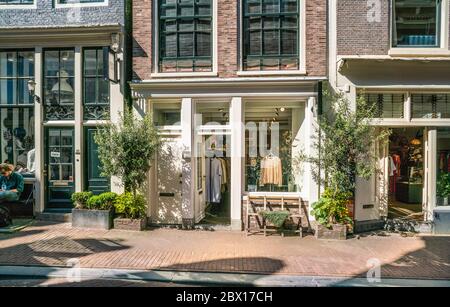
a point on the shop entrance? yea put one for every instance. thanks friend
(59, 167)
(406, 170)
(213, 180)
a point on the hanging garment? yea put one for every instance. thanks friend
(213, 172)
(271, 171)
(441, 162)
(224, 175)
(392, 168)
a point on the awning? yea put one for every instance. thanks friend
(396, 72)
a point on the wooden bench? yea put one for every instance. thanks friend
(269, 202)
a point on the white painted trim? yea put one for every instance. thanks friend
(78, 129)
(59, 5)
(59, 123)
(407, 52)
(237, 122)
(242, 94)
(39, 187)
(94, 123)
(183, 74)
(391, 58)
(224, 80)
(19, 6)
(301, 44)
(215, 48)
(270, 72)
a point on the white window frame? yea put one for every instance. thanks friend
(158, 74)
(441, 50)
(301, 45)
(60, 5)
(19, 6)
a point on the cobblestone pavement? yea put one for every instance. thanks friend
(45, 244)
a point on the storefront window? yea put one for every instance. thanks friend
(96, 83)
(185, 35)
(212, 113)
(271, 34)
(430, 105)
(167, 114)
(386, 105)
(17, 110)
(443, 167)
(273, 143)
(416, 23)
(58, 94)
(17, 138)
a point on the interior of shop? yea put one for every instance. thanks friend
(443, 167)
(406, 173)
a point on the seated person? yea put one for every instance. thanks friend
(11, 183)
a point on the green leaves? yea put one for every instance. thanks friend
(345, 142)
(126, 149)
(129, 206)
(443, 185)
(332, 208)
(277, 218)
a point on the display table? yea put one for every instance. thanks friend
(409, 192)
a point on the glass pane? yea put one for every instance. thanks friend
(54, 138)
(67, 172)
(67, 63)
(170, 47)
(51, 63)
(24, 96)
(255, 42)
(203, 44)
(422, 106)
(26, 64)
(90, 92)
(54, 172)
(271, 6)
(416, 23)
(186, 44)
(271, 42)
(8, 64)
(289, 41)
(66, 155)
(17, 138)
(103, 91)
(66, 90)
(386, 105)
(90, 62)
(443, 106)
(51, 91)
(8, 91)
(55, 155)
(289, 6)
(66, 137)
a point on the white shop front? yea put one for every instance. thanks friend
(218, 137)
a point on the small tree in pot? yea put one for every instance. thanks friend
(344, 142)
(126, 151)
(93, 211)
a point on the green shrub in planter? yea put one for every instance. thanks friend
(80, 199)
(332, 208)
(277, 218)
(130, 206)
(104, 201)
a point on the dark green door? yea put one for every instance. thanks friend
(95, 182)
(59, 167)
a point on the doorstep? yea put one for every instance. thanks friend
(55, 216)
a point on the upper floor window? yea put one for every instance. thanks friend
(79, 1)
(416, 23)
(16, 2)
(95, 83)
(430, 105)
(185, 36)
(16, 69)
(58, 93)
(271, 34)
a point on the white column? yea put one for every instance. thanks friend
(79, 155)
(430, 174)
(39, 189)
(187, 120)
(237, 160)
(311, 188)
(407, 108)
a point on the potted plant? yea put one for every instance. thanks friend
(96, 213)
(276, 218)
(343, 151)
(131, 212)
(443, 189)
(80, 199)
(126, 151)
(332, 215)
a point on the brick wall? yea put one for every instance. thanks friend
(356, 35)
(142, 39)
(228, 38)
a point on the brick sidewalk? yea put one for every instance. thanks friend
(168, 249)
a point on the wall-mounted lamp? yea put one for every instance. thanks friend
(31, 89)
(115, 42)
